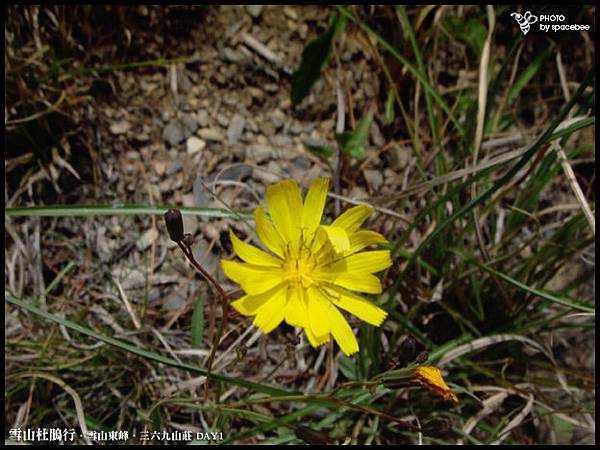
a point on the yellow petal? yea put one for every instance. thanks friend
(369, 262)
(253, 279)
(314, 202)
(314, 341)
(431, 378)
(249, 305)
(251, 254)
(285, 205)
(295, 308)
(356, 305)
(361, 282)
(353, 218)
(342, 333)
(318, 316)
(364, 238)
(338, 238)
(267, 234)
(270, 315)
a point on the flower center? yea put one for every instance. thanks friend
(299, 270)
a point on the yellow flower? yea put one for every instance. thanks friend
(431, 378)
(312, 269)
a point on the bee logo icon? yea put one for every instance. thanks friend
(525, 20)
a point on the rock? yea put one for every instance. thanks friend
(374, 178)
(174, 302)
(203, 118)
(175, 167)
(255, 10)
(278, 118)
(194, 145)
(290, 13)
(268, 175)
(179, 129)
(210, 134)
(147, 239)
(233, 56)
(231, 173)
(236, 127)
(120, 127)
(190, 224)
(223, 120)
(281, 140)
(300, 162)
(160, 167)
(201, 199)
(260, 153)
(376, 136)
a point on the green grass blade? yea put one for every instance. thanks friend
(416, 72)
(142, 352)
(119, 210)
(509, 175)
(543, 294)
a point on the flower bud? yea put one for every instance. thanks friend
(174, 223)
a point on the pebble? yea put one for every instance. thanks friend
(278, 118)
(210, 134)
(236, 127)
(175, 167)
(190, 224)
(267, 176)
(223, 120)
(201, 199)
(260, 153)
(290, 13)
(147, 239)
(255, 10)
(120, 127)
(374, 178)
(194, 145)
(203, 118)
(232, 173)
(281, 139)
(179, 129)
(233, 56)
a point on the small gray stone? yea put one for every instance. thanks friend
(200, 197)
(175, 167)
(147, 239)
(179, 129)
(233, 56)
(374, 178)
(231, 173)
(194, 145)
(223, 120)
(376, 136)
(260, 153)
(278, 118)
(281, 139)
(236, 127)
(254, 10)
(210, 134)
(120, 127)
(190, 224)
(203, 119)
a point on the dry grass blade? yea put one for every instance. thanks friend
(484, 342)
(69, 390)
